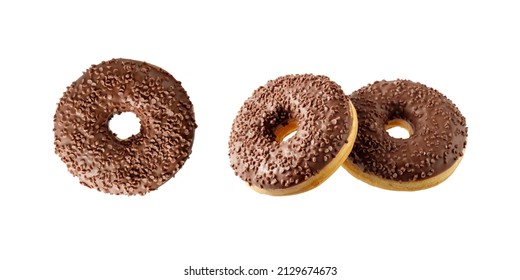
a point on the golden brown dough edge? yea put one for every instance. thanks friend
(327, 171)
(396, 185)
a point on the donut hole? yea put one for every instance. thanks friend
(399, 129)
(286, 132)
(124, 125)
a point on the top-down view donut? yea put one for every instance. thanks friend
(137, 164)
(435, 146)
(292, 134)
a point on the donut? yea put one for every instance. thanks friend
(142, 162)
(429, 156)
(324, 123)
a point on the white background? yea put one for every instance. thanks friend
(51, 227)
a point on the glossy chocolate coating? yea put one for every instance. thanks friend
(142, 162)
(321, 111)
(439, 131)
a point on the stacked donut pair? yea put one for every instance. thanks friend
(333, 129)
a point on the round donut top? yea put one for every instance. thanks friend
(142, 162)
(438, 138)
(321, 111)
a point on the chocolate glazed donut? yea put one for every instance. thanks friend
(142, 162)
(435, 147)
(325, 122)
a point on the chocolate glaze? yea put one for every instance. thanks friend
(142, 162)
(322, 113)
(439, 137)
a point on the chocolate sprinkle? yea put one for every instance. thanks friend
(142, 162)
(439, 131)
(324, 121)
